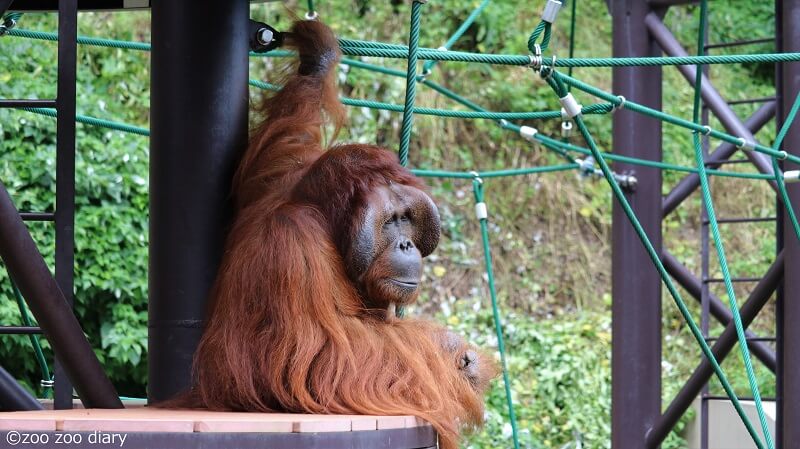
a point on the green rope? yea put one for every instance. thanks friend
(93, 121)
(477, 188)
(549, 143)
(674, 60)
(493, 174)
(83, 40)
(311, 9)
(633, 106)
(399, 52)
(411, 81)
(543, 29)
(377, 49)
(708, 203)
(34, 339)
(656, 260)
(428, 66)
(779, 174)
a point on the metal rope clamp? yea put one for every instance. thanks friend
(791, 176)
(481, 211)
(550, 11)
(7, 25)
(586, 166)
(550, 70)
(536, 58)
(566, 129)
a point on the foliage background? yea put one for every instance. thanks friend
(550, 233)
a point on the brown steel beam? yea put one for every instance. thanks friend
(48, 304)
(725, 150)
(750, 309)
(711, 97)
(717, 308)
(788, 18)
(636, 305)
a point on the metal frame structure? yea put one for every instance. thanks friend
(639, 31)
(50, 299)
(194, 147)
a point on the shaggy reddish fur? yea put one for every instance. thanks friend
(287, 329)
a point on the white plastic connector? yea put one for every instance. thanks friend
(481, 212)
(791, 176)
(564, 115)
(551, 10)
(528, 133)
(570, 105)
(443, 48)
(746, 145)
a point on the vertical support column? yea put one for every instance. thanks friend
(788, 16)
(198, 129)
(65, 174)
(636, 307)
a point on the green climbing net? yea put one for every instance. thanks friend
(575, 157)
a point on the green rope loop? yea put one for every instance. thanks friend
(477, 189)
(411, 82)
(543, 30)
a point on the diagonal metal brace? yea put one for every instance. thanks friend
(717, 308)
(716, 104)
(724, 151)
(750, 309)
(46, 300)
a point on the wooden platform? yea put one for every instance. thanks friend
(146, 428)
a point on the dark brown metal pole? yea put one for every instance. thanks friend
(49, 306)
(13, 397)
(636, 306)
(198, 128)
(4, 5)
(716, 104)
(749, 310)
(724, 151)
(65, 178)
(788, 14)
(717, 308)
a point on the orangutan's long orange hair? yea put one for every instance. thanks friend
(287, 330)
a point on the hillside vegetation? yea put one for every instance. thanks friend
(550, 234)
